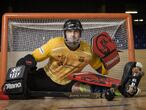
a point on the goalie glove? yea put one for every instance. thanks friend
(16, 84)
(105, 48)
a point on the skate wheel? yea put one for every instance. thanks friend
(109, 95)
(138, 92)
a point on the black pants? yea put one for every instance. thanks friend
(39, 81)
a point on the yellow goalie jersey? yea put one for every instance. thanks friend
(63, 61)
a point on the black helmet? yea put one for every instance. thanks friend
(72, 24)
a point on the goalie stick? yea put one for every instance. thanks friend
(43, 94)
(109, 94)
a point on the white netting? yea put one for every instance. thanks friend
(24, 35)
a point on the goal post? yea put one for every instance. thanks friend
(23, 32)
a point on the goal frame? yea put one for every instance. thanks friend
(7, 16)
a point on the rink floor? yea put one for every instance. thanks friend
(119, 103)
(60, 103)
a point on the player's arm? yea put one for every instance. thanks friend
(95, 62)
(42, 52)
(37, 55)
(98, 65)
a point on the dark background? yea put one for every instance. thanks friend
(84, 6)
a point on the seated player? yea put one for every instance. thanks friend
(67, 54)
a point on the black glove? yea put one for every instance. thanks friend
(28, 61)
(16, 85)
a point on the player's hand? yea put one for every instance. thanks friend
(28, 61)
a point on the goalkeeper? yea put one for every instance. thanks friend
(67, 55)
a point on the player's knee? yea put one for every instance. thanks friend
(81, 88)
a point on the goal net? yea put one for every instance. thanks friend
(22, 33)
